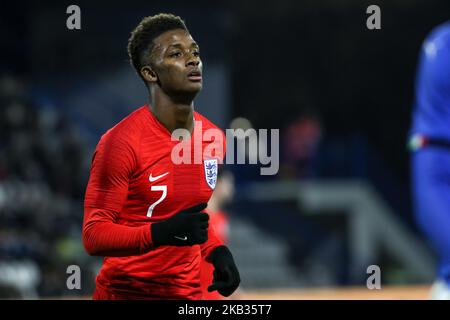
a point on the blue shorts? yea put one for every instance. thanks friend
(431, 195)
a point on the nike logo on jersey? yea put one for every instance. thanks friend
(181, 238)
(151, 178)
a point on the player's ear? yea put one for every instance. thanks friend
(148, 74)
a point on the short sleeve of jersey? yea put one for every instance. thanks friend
(432, 88)
(435, 63)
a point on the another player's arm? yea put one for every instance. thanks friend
(434, 65)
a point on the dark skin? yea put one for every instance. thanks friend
(174, 78)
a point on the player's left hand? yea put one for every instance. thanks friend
(226, 275)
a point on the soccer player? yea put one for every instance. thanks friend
(430, 144)
(144, 212)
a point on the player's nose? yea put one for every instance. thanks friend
(193, 62)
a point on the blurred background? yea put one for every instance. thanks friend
(340, 94)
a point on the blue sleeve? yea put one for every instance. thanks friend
(432, 96)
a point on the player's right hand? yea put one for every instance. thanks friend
(185, 228)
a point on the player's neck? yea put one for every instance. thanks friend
(173, 114)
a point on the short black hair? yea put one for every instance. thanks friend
(140, 44)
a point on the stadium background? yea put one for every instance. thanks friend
(340, 94)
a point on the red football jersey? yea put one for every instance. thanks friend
(133, 183)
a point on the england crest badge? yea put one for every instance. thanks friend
(211, 168)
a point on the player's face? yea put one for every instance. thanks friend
(176, 59)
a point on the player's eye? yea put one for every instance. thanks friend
(196, 53)
(176, 54)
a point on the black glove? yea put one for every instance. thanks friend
(185, 228)
(226, 275)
